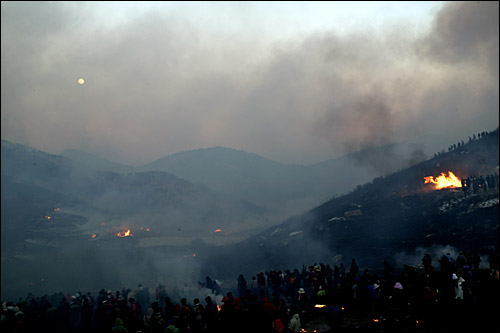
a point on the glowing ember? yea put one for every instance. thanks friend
(124, 233)
(375, 320)
(148, 229)
(94, 236)
(218, 307)
(218, 230)
(48, 217)
(194, 254)
(319, 305)
(443, 181)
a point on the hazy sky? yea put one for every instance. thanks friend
(297, 82)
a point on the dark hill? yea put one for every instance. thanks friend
(159, 197)
(91, 161)
(60, 221)
(383, 219)
(286, 189)
(241, 174)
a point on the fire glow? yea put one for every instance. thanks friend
(217, 230)
(443, 181)
(319, 306)
(124, 233)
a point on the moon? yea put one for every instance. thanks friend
(81, 81)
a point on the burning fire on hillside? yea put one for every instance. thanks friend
(444, 181)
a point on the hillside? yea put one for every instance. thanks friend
(86, 160)
(390, 217)
(57, 213)
(286, 189)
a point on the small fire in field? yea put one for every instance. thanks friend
(124, 233)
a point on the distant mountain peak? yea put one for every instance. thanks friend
(96, 162)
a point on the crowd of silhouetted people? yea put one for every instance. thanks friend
(447, 293)
(479, 184)
(461, 143)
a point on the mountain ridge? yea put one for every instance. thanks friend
(381, 219)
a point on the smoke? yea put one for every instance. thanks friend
(436, 252)
(416, 156)
(450, 76)
(415, 259)
(158, 83)
(464, 33)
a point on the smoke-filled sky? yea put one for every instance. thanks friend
(296, 82)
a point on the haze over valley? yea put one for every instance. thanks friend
(158, 142)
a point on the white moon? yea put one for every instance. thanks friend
(81, 81)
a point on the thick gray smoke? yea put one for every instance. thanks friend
(436, 252)
(157, 83)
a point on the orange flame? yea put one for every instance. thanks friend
(218, 307)
(218, 230)
(48, 217)
(443, 181)
(375, 320)
(124, 233)
(319, 305)
(94, 236)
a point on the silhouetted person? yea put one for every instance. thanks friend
(211, 316)
(354, 268)
(465, 186)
